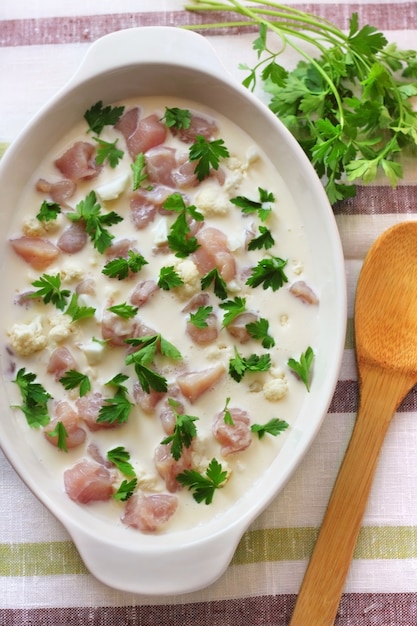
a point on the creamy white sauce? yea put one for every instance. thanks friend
(292, 323)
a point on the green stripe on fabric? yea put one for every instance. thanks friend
(295, 544)
(3, 148)
(40, 559)
(256, 546)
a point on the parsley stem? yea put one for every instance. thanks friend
(299, 20)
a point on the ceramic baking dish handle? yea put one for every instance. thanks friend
(151, 44)
(172, 568)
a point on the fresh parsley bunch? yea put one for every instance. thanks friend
(350, 106)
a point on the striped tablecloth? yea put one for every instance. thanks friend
(42, 578)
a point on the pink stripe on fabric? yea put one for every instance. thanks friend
(85, 29)
(361, 609)
(346, 398)
(372, 200)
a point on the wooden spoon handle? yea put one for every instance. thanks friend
(322, 587)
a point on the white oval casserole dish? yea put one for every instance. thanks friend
(163, 61)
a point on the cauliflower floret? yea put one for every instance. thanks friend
(60, 328)
(188, 272)
(33, 227)
(297, 267)
(70, 273)
(275, 388)
(26, 339)
(284, 320)
(210, 202)
(238, 169)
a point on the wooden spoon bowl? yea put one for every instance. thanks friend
(386, 352)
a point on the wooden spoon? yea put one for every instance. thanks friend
(386, 352)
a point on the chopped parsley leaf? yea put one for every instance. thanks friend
(204, 486)
(273, 427)
(239, 365)
(50, 291)
(303, 366)
(219, 284)
(169, 278)
(108, 150)
(121, 267)
(234, 308)
(34, 397)
(120, 458)
(125, 490)
(268, 272)
(259, 330)
(177, 118)
(207, 154)
(61, 433)
(264, 240)
(127, 311)
(72, 379)
(138, 168)
(89, 211)
(99, 116)
(184, 432)
(48, 211)
(199, 317)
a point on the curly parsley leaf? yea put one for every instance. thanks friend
(269, 272)
(207, 154)
(303, 366)
(204, 486)
(239, 365)
(72, 379)
(99, 116)
(34, 399)
(219, 284)
(260, 330)
(273, 427)
(48, 211)
(120, 457)
(177, 118)
(61, 433)
(89, 211)
(184, 432)
(49, 289)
